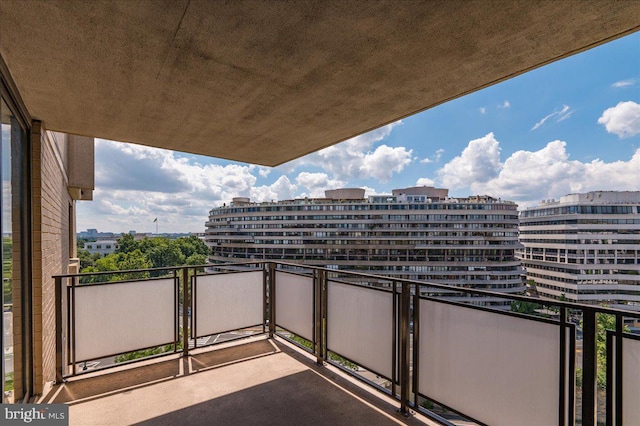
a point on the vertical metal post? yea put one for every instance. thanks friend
(611, 390)
(394, 354)
(562, 407)
(589, 367)
(404, 348)
(265, 316)
(185, 308)
(415, 336)
(323, 313)
(319, 318)
(59, 343)
(176, 311)
(618, 371)
(72, 308)
(272, 299)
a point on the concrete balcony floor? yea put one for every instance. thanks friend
(256, 381)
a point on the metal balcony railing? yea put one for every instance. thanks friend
(410, 339)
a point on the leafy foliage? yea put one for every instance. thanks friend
(525, 307)
(604, 322)
(144, 254)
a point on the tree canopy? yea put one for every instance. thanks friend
(159, 252)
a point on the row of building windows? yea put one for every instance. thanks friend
(361, 206)
(596, 209)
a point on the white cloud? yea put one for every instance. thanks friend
(316, 183)
(384, 161)
(425, 182)
(264, 171)
(527, 177)
(435, 158)
(482, 110)
(135, 184)
(505, 104)
(281, 189)
(479, 162)
(559, 115)
(356, 159)
(622, 120)
(624, 83)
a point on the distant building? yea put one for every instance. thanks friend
(93, 234)
(104, 247)
(414, 233)
(585, 247)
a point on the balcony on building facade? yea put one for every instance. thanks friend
(444, 359)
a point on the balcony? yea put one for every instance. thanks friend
(279, 343)
(255, 382)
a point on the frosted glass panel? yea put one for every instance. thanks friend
(360, 325)
(630, 381)
(294, 303)
(228, 302)
(117, 318)
(496, 368)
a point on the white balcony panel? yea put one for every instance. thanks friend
(496, 368)
(226, 302)
(294, 303)
(630, 381)
(116, 318)
(360, 325)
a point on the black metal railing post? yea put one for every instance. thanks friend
(272, 299)
(618, 371)
(319, 317)
(589, 367)
(59, 334)
(405, 300)
(563, 368)
(185, 311)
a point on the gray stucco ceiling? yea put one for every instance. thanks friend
(268, 81)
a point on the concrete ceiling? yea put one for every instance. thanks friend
(268, 81)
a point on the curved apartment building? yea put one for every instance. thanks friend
(585, 247)
(415, 233)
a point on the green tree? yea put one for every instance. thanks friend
(119, 262)
(127, 244)
(166, 254)
(525, 307)
(604, 322)
(196, 259)
(85, 259)
(191, 245)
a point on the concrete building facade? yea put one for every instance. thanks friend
(414, 233)
(585, 247)
(103, 247)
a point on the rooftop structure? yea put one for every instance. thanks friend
(416, 233)
(585, 248)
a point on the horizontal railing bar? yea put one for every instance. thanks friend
(80, 361)
(451, 409)
(166, 268)
(559, 303)
(229, 331)
(246, 336)
(521, 298)
(127, 281)
(121, 364)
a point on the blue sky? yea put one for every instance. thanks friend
(571, 126)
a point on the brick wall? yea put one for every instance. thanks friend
(51, 243)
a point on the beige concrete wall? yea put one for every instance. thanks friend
(53, 243)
